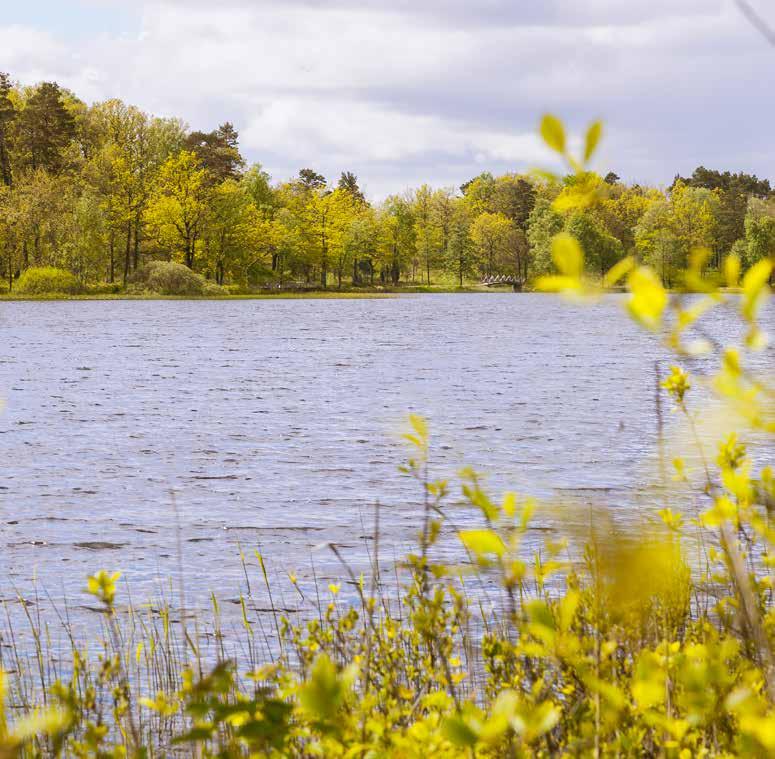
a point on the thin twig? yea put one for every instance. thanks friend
(756, 21)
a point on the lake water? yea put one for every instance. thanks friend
(277, 425)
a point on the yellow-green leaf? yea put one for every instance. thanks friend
(732, 270)
(419, 425)
(594, 133)
(482, 542)
(567, 255)
(553, 132)
(648, 298)
(755, 288)
(459, 733)
(618, 270)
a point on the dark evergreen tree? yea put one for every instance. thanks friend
(515, 198)
(311, 180)
(734, 191)
(7, 117)
(46, 128)
(218, 152)
(348, 182)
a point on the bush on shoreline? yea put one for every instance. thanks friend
(47, 280)
(167, 278)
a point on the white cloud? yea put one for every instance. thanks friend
(431, 88)
(345, 132)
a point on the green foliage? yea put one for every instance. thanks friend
(47, 280)
(98, 190)
(168, 278)
(734, 191)
(603, 249)
(759, 239)
(544, 223)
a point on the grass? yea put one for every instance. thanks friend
(287, 295)
(312, 295)
(364, 291)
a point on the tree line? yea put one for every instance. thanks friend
(99, 190)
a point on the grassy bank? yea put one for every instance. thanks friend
(311, 295)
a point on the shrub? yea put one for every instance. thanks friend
(104, 288)
(213, 289)
(168, 278)
(47, 280)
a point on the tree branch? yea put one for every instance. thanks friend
(756, 21)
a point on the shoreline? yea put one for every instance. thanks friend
(288, 295)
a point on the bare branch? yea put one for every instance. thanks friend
(757, 21)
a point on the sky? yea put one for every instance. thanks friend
(403, 92)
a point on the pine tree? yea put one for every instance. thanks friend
(218, 152)
(7, 117)
(47, 128)
(348, 182)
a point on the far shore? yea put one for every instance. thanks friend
(262, 295)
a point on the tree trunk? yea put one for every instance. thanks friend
(136, 262)
(127, 251)
(5, 163)
(189, 254)
(9, 250)
(112, 260)
(324, 263)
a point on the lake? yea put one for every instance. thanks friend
(276, 423)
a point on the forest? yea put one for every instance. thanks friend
(93, 197)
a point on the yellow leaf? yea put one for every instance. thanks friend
(556, 284)
(755, 288)
(618, 270)
(649, 299)
(594, 133)
(419, 425)
(509, 505)
(698, 257)
(553, 132)
(732, 270)
(483, 542)
(567, 255)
